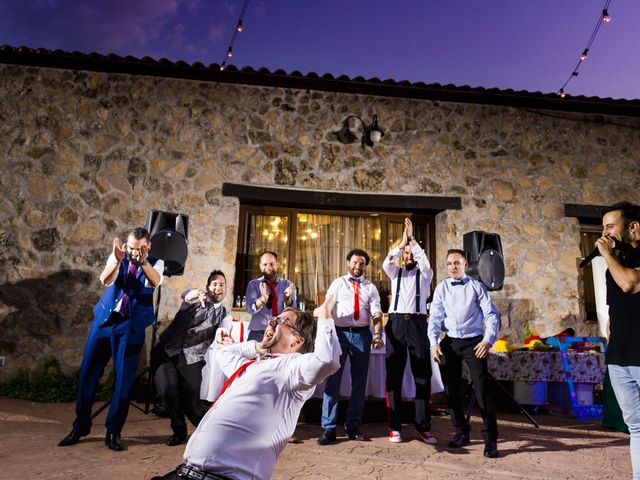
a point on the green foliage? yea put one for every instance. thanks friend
(49, 383)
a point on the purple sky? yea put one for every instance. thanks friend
(519, 44)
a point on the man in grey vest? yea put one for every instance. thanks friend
(179, 356)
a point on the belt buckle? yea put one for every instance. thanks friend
(183, 471)
(189, 472)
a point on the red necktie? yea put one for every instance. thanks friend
(235, 375)
(274, 298)
(356, 298)
(131, 276)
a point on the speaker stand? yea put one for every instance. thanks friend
(474, 400)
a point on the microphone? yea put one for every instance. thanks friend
(617, 245)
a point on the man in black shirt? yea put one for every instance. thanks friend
(621, 222)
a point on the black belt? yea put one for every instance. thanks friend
(408, 316)
(184, 471)
(352, 329)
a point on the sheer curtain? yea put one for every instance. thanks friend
(267, 232)
(322, 244)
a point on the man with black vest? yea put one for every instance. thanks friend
(406, 331)
(178, 357)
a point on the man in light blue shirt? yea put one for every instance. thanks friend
(462, 309)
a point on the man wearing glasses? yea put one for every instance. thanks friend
(121, 316)
(267, 383)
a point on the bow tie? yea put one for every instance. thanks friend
(457, 282)
(355, 280)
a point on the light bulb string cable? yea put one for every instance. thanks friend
(239, 27)
(603, 17)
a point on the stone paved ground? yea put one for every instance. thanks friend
(562, 448)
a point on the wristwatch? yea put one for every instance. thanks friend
(143, 262)
(410, 238)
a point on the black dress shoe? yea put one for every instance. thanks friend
(459, 440)
(327, 437)
(175, 439)
(72, 438)
(491, 450)
(114, 441)
(354, 434)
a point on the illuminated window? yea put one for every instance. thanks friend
(588, 236)
(312, 246)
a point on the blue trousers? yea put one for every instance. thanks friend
(626, 385)
(102, 344)
(357, 345)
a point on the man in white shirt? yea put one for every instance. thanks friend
(406, 331)
(461, 307)
(256, 411)
(357, 305)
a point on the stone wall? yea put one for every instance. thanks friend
(85, 156)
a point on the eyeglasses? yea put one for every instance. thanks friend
(287, 322)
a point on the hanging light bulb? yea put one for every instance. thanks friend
(239, 28)
(584, 54)
(562, 93)
(605, 16)
(229, 53)
(222, 65)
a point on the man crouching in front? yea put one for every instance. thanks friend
(266, 385)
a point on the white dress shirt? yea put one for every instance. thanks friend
(407, 297)
(343, 291)
(242, 435)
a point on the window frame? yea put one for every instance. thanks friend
(422, 221)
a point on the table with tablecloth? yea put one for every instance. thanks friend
(539, 377)
(546, 366)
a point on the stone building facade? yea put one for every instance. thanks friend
(86, 154)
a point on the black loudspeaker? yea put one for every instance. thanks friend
(169, 233)
(484, 254)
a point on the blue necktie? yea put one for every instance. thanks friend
(458, 282)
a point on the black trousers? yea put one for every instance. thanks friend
(455, 350)
(178, 385)
(407, 336)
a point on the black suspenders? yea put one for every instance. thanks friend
(395, 304)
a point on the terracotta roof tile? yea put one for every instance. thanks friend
(390, 87)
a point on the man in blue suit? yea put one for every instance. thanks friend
(120, 318)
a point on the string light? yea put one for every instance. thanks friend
(239, 28)
(583, 57)
(604, 17)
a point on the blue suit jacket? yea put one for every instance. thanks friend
(141, 313)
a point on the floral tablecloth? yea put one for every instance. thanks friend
(538, 366)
